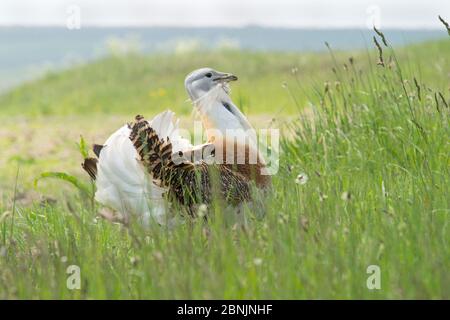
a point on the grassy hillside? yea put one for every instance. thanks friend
(372, 140)
(149, 84)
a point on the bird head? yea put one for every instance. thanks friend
(224, 123)
(202, 81)
(209, 92)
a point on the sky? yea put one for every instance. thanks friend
(403, 14)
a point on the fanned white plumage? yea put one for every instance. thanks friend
(123, 184)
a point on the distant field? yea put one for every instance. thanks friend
(55, 48)
(373, 140)
(148, 84)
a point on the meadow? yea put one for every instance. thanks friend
(369, 130)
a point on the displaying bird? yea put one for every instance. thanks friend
(145, 162)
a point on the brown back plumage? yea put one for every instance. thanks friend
(187, 182)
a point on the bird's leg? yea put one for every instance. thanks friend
(113, 216)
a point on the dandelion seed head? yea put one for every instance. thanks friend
(202, 210)
(257, 261)
(134, 260)
(346, 196)
(302, 178)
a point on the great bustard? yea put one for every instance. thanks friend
(145, 161)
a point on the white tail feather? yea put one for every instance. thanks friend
(122, 182)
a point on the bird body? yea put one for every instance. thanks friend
(145, 162)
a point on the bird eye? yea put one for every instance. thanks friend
(208, 75)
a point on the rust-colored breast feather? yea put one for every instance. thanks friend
(245, 161)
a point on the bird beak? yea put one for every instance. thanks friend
(225, 77)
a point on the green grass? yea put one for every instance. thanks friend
(376, 152)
